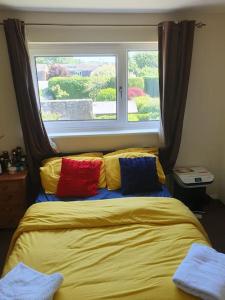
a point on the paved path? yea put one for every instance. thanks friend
(109, 107)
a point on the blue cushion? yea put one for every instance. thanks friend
(138, 175)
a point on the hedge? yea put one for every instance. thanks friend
(76, 86)
(108, 94)
(132, 82)
(151, 86)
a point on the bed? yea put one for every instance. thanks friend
(125, 248)
(103, 194)
(109, 185)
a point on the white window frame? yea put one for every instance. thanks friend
(120, 50)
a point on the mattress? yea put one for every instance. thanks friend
(104, 194)
(109, 249)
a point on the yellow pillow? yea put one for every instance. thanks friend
(91, 154)
(50, 172)
(112, 168)
(151, 150)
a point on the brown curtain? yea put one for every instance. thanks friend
(35, 137)
(175, 52)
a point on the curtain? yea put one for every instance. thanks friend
(175, 42)
(36, 141)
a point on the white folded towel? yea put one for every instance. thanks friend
(24, 283)
(202, 273)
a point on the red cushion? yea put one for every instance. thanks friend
(78, 178)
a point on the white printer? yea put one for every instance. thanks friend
(193, 176)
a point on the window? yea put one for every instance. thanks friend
(77, 88)
(143, 86)
(97, 87)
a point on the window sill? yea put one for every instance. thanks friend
(104, 133)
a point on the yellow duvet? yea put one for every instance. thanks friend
(125, 248)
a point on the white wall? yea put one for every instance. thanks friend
(202, 140)
(203, 131)
(42, 34)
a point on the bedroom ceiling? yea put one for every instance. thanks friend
(122, 6)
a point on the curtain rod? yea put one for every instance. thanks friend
(197, 24)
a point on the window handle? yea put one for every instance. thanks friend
(121, 91)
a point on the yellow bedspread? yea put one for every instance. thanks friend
(108, 249)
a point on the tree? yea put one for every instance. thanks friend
(57, 71)
(105, 71)
(146, 59)
(102, 77)
(133, 67)
(149, 72)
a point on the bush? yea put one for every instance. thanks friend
(46, 93)
(108, 94)
(106, 117)
(58, 93)
(133, 117)
(148, 109)
(147, 105)
(75, 86)
(97, 83)
(135, 92)
(101, 78)
(148, 116)
(136, 82)
(111, 83)
(143, 117)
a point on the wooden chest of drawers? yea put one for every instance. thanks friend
(12, 198)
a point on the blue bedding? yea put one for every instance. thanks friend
(104, 194)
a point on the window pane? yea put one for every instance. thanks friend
(143, 86)
(77, 88)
